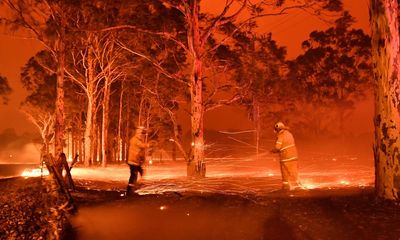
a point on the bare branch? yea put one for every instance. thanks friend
(166, 35)
(212, 106)
(154, 63)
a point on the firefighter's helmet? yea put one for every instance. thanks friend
(140, 130)
(279, 126)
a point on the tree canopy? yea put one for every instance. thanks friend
(5, 89)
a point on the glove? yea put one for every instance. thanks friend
(274, 151)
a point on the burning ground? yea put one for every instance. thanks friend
(239, 199)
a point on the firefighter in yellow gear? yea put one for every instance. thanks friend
(287, 150)
(136, 157)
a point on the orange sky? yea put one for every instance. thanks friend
(289, 31)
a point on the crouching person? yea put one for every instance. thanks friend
(136, 158)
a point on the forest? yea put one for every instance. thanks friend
(108, 67)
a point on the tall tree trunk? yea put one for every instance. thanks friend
(125, 144)
(141, 107)
(60, 115)
(99, 134)
(196, 165)
(104, 136)
(386, 55)
(80, 139)
(73, 143)
(119, 138)
(90, 112)
(88, 135)
(257, 125)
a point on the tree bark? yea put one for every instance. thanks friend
(386, 55)
(59, 112)
(104, 136)
(196, 166)
(91, 106)
(257, 125)
(88, 135)
(119, 137)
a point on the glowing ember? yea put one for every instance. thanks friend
(232, 176)
(163, 208)
(309, 185)
(37, 172)
(344, 182)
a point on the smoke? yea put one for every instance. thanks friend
(19, 149)
(29, 153)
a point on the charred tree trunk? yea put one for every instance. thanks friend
(386, 55)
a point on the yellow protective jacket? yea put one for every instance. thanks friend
(136, 151)
(286, 146)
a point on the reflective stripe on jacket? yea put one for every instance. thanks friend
(286, 146)
(136, 151)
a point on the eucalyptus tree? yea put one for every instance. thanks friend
(260, 74)
(111, 64)
(333, 72)
(384, 21)
(91, 64)
(204, 35)
(46, 21)
(4, 89)
(38, 77)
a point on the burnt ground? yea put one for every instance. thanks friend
(32, 208)
(342, 213)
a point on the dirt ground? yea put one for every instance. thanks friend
(341, 213)
(104, 212)
(31, 209)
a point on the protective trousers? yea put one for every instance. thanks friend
(135, 170)
(289, 173)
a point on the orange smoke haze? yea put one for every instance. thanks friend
(288, 30)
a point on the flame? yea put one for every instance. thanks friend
(309, 185)
(344, 182)
(36, 172)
